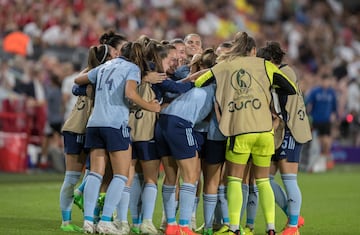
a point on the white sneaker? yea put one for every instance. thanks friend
(104, 227)
(88, 227)
(123, 226)
(147, 227)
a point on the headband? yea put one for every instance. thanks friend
(105, 54)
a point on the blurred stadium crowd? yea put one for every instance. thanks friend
(43, 42)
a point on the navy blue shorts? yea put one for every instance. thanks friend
(107, 138)
(289, 149)
(201, 140)
(175, 137)
(87, 164)
(74, 143)
(145, 150)
(214, 151)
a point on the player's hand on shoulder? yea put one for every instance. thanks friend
(155, 105)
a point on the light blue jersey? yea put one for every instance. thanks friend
(110, 108)
(214, 132)
(202, 126)
(192, 106)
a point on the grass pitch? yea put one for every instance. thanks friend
(29, 204)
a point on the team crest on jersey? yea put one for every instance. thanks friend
(241, 81)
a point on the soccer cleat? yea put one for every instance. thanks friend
(301, 221)
(123, 226)
(117, 223)
(290, 231)
(185, 230)
(271, 232)
(248, 231)
(225, 230)
(105, 227)
(79, 201)
(172, 229)
(216, 226)
(147, 227)
(88, 227)
(208, 231)
(135, 230)
(71, 228)
(125, 229)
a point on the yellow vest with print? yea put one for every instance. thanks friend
(79, 115)
(243, 95)
(142, 122)
(298, 122)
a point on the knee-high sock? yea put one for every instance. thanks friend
(135, 202)
(294, 197)
(169, 204)
(210, 201)
(245, 194)
(280, 195)
(81, 187)
(196, 203)
(91, 194)
(217, 213)
(122, 207)
(267, 201)
(186, 196)
(113, 196)
(234, 198)
(148, 199)
(252, 206)
(222, 192)
(66, 193)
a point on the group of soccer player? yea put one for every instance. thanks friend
(212, 113)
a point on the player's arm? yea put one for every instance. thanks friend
(131, 93)
(205, 79)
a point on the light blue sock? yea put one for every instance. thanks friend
(86, 173)
(91, 194)
(245, 192)
(217, 213)
(294, 197)
(135, 202)
(66, 193)
(169, 204)
(122, 207)
(97, 211)
(252, 205)
(186, 196)
(210, 201)
(113, 196)
(196, 203)
(279, 194)
(82, 185)
(223, 204)
(148, 199)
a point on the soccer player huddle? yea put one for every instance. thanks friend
(230, 117)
